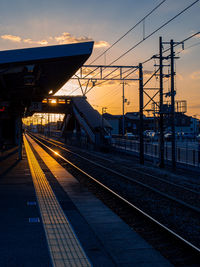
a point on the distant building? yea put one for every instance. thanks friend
(183, 123)
(114, 121)
(131, 121)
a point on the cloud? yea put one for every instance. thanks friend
(195, 75)
(64, 38)
(12, 38)
(100, 44)
(18, 39)
(67, 38)
(30, 41)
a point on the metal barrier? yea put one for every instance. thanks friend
(186, 152)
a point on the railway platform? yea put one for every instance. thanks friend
(49, 219)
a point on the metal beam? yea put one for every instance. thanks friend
(97, 72)
(104, 79)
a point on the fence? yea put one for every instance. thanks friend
(186, 152)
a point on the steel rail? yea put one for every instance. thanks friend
(64, 148)
(133, 180)
(123, 199)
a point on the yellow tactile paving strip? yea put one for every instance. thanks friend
(64, 247)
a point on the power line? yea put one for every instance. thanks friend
(176, 44)
(185, 9)
(132, 28)
(112, 92)
(186, 39)
(74, 90)
(152, 33)
(143, 19)
(183, 41)
(188, 47)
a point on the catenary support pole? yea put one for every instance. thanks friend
(123, 123)
(161, 137)
(141, 101)
(173, 105)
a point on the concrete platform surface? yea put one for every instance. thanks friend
(22, 237)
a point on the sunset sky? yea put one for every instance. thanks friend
(26, 23)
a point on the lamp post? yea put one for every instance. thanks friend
(103, 111)
(124, 100)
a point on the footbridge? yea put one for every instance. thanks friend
(79, 117)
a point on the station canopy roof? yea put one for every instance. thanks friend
(29, 74)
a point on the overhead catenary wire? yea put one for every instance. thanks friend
(132, 28)
(147, 60)
(191, 46)
(181, 42)
(176, 44)
(152, 33)
(109, 93)
(148, 36)
(114, 101)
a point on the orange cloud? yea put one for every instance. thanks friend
(64, 38)
(18, 39)
(195, 75)
(100, 44)
(12, 38)
(30, 41)
(67, 38)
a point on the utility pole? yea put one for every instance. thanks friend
(172, 105)
(161, 139)
(103, 111)
(141, 101)
(161, 108)
(123, 126)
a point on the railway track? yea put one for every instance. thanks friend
(177, 219)
(184, 194)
